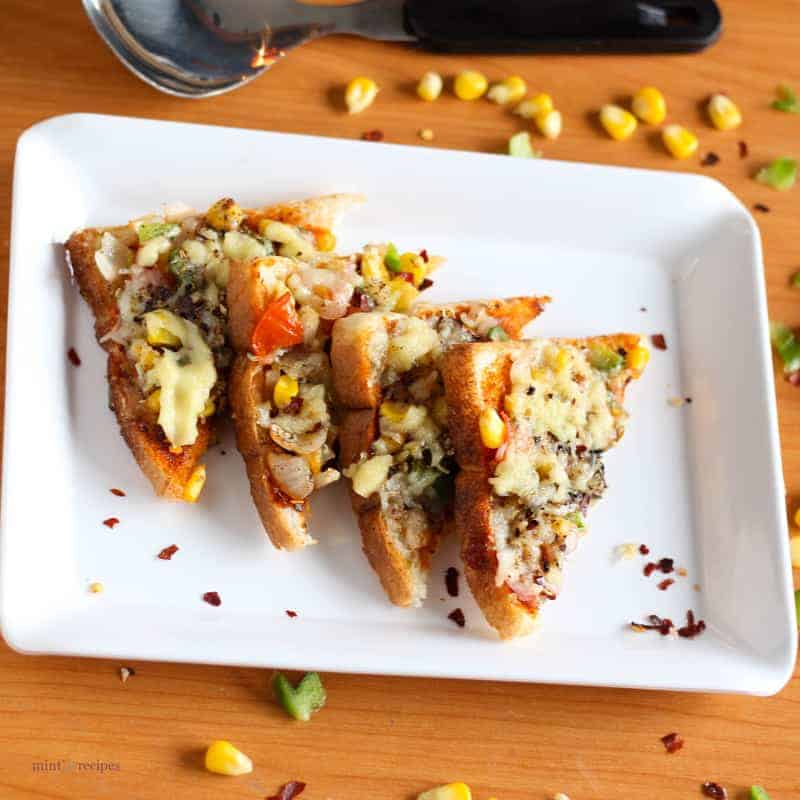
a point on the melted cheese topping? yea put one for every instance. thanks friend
(185, 377)
(555, 390)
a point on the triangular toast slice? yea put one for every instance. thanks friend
(530, 422)
(157, 289)
(394, 442)
(281, 314)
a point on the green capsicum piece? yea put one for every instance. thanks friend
(303, 700)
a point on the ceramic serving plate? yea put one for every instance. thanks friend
(617, 249)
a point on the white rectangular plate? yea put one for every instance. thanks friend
(701, 484)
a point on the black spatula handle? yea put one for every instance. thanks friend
(564, 26)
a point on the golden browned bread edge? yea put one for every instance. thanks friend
(286, 526)
(402, 585)
(167, 471)
(500, 606)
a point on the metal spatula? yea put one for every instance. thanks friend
(196, 48)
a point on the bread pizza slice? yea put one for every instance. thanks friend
(530, 423)
(394, 439)
(281, 314)
(157, 288)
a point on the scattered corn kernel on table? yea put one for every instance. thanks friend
(387, 738)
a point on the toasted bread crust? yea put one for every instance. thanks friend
(358, 345)
(285, 524)
(477, 376)
(473, 522)
(403, 583)
(319, 213)
(357, 431)
(167, 471)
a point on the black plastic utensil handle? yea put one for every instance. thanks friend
(564, 26)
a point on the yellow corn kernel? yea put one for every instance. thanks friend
(649, 105)
(360, 94)
(315, 461)
(439, 411)
(209, 408)
(286, 389)
(724, 113)
(430, 86)
(326, 241)
(549, 123)
(394, 412)
(679, 141)
(797, 517)
(404, 293)
(638, 357)
(537, 104)
(469, 85)
(372, 266)
(194, 485)
(619, 124)
(492, 428)
(794, 549)
(153, 401)
(225, 215)
(563, 359)
(414, 264)
(95, 587)
(452, 791)
(224, 759)
(161, 337)
(509, 90)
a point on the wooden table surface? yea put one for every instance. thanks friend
(389, 738)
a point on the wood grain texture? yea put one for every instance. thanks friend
(386, 738)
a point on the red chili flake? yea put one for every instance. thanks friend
(424, 255)
(665, 584)
(458, 617)
(654, 623)
(644, 549)
(212, 598)
(692, 628)
(110, 522)
(167, 553)
(406, 276)
(117, 492)
(709, 160)
(72, 355)
(294, 405)
(289, 791)
(291, 614)
(426, 284)
(649, 569)
(762, 208)
(744, 150)
(659, 342)
(372, 136)
(451, 581)
(672, 742)
(666, 565)
(714, 790)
